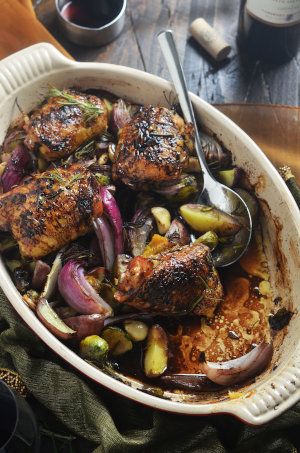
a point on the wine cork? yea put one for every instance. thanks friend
(208, 38)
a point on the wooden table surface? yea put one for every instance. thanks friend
(236, 80)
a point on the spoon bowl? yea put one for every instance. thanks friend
(213, 193)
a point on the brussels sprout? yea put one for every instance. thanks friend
(118, 340)
(102, 179)
(210, 239)
(181, 191)
(156, 355)
(94, 348)
(162, 218)
(207, 218)
(137, 330)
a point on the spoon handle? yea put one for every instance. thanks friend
(168, 47)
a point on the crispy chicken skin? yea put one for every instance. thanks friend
(50, 209)
(152, 147)
(173, 282)
(57, 129)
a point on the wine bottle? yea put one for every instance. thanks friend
(269, 29)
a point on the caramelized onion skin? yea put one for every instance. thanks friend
(52, 321)
(105, 240)
(85, 325)
(16, 168)
(40, 273)
(239, 370)
(112, 211)
(78, 293)
(190, 382)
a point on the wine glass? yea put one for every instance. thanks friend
(18, 428)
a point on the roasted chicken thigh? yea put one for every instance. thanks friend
(152, 147)
(176, 281)
(50, 209)
(60, 125)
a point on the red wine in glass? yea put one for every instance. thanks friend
(90, 13)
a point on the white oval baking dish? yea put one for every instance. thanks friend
(26, 76)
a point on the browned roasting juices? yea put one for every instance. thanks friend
(103, 238)
(240, 323)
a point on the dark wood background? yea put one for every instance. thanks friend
(236, 80)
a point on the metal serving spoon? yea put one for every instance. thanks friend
(213, 193)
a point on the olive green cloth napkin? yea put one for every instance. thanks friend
(114, 424)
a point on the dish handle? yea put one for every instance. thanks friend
(28, 65)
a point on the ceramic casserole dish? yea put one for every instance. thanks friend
(25, 77)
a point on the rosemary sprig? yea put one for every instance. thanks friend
(56, 176)
(63, 182)
(85, 150)
(156, 134)
(195, 303)
(89, 110)
(76, 177)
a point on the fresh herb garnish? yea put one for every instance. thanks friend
(74, 178)
(85, 150)
(89, 110)
(56, 176)
(195, 303)
(156, 134)
(103, 180)
(63, 182)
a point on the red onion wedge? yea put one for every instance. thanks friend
(78, 293)
(191, 382)
(139, 231)
(40, 273)
(16, 167)
(112, 211)
(51, 282)
(120, 116)
(178, 233)
(106, 242)
(85, 325)
(13, 138)
(52, 321)
(240, 369)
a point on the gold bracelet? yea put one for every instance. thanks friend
(14, 380)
